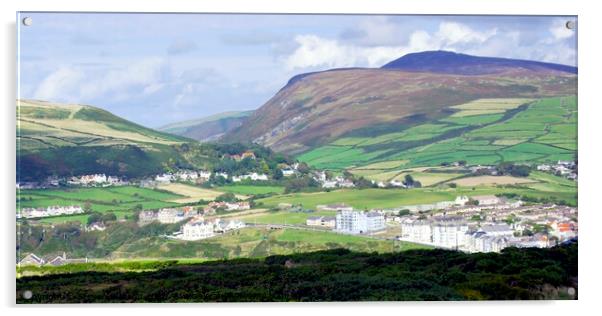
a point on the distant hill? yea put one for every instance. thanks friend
(462, 64)
(209, 128)
(319, 108)
(66, 139)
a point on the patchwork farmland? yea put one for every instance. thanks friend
(515, 130)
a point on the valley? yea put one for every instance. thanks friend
(402, 150)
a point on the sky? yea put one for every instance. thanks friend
(155, 69)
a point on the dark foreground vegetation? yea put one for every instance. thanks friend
(331, 275)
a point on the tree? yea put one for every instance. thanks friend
(408, 180)
(226, 197)
(108, 217)
(404, 212)
(303, 168)
(277, 174)
(452, 185)
(94, 218)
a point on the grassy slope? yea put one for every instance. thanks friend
(391, 198)
(180, 128)
(63, 139)
(543, 131)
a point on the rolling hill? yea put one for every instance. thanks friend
(454, 63)
(209, 128)
(72, 139)
(344, 118)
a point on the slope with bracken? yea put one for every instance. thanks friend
(321, 108)
(71, 139)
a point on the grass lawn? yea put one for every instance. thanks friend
(192, 193)
(283, 217)
(251, 189)
(491, 180)
(391, 198)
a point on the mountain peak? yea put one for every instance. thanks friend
(462, 64)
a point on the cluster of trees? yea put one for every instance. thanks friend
(507, 168)
(532, 199)
(104, 218)
(331, 275)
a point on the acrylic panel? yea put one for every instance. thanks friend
(295, 157)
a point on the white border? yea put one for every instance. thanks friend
(589, 147)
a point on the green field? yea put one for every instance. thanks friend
(119, 200)
(255, 242)
(284, 217)
(391, 198)
(541, 131)
(251, 189)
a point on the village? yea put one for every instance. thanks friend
(477, 224)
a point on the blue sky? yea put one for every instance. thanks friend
(155, 69)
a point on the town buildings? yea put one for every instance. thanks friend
(173, 215)
(198, 228)
(49, 211)
(252, 176)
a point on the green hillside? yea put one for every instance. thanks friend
(208, 128)
(487, 131)
(70, 139)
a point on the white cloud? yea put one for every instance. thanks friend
(81, 84)
(314, 51)
(560, 31)
(452, 33)
(61, 85)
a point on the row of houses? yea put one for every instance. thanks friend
(166, 215)
(198, 228)
(457, 232)
(33, 259)
(251, 176)
(336, 182)
(95, 179)
(49, 211)
(563, 168)
(212, 207)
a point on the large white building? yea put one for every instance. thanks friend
(449, 231)
(443, 231)
(417, 230)
(195, 230)
(359, 222)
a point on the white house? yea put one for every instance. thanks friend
(486, 199)
(205, 175)
(164, 178)
(397, 183)
(288, 172)
(461, 200)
